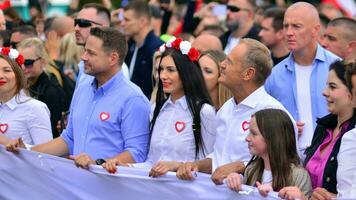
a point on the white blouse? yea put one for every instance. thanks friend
(25, 117)
(172, 136)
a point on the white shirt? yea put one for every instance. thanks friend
(232, 127)
(172, 136)
(27, 118)
(231, 43)
(303, 74)
(346, 170)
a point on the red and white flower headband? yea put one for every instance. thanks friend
(13, 54)
(185, 48)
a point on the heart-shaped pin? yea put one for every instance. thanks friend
(104, 116)
(3, 128)
(245, 125)
(180, 126)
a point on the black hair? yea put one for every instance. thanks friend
(339, 67)
(195, 91)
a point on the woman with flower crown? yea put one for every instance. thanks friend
(182, 125)
(20, 116)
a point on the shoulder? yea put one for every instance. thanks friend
(207, 111)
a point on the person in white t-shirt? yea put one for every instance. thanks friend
(182, 125)
(243, 72)
(20, 115)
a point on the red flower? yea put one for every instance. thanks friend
(175, 43)
(20, 60)
(193, 54)
(5, 51)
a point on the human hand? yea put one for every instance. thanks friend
(321, 194)
(52, 44)
(14, 145)
(234, 181)
(264, 188)
(162, 167)
(300, 126)
(82, 160)
(223, 171)
(291, 193)
(185, 170)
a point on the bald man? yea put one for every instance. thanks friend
(63, 25)
(201, 44)
(298, 81)
(340, 38)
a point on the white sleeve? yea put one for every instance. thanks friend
(208, 128)
(39, 123)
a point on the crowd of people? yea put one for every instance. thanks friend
(258, 94)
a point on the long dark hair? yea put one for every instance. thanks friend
(277, 129)
(195, 92)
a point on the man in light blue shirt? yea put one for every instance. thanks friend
(109, 116)
(298, 81)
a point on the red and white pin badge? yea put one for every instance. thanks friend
(104, 116)
(3, 128)
(245, 125)
(180, 126)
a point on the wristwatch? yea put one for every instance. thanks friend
(100, 161)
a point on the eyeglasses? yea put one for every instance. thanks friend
(84, 23)
(235, 9)
(14, 44)
(29, 62)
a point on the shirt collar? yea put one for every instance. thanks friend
(182, 102)
(320, 56)
(253, 99)
(114, 81)
(14, 101)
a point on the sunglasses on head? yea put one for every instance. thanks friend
(29, 62)
(84, 23)
(234, 8)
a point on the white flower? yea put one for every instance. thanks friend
(13, 54)
(185, 47)
(169, 42)
(162, 48)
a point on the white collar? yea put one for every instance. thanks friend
(181, 102)
(15, 100)
(253, 99)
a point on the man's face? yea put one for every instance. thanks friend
(131, 23)
(96, 60)
(237, 14)
(16, 38)
(231, 69)
(334, 42)
(267, 34)
(299, 31)
(86, 19)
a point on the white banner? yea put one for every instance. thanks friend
(32, 175)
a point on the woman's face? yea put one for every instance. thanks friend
(210, 72)
(33, 64)
(256, 142)
(7, 78)
(169, 76)
(337, 95)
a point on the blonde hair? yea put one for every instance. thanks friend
(70, 52)
(41, 52)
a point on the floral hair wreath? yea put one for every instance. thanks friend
(185, 48)
(13, 54)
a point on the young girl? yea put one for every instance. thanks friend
(182, 125)
(275, 162)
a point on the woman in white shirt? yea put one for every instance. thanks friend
(182, 125)
(20, 115)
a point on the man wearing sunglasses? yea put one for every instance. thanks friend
(21, 33)
(240, 23)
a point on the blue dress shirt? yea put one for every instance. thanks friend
(108, 120)
(282, 84)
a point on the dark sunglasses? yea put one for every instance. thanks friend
(14, 44)
(29, 62)
(234, 8)
(84, 23)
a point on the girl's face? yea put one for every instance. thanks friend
(337, 95)
(256, 142)
(169, 76)
(210, 72)
(7, 78)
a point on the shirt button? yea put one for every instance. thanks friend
(332, 158)
(328, 179)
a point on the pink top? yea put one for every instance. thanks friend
(317, 162)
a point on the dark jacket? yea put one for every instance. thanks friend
(142, 74)
(329, 121)
(52, 95)
(252, 33)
